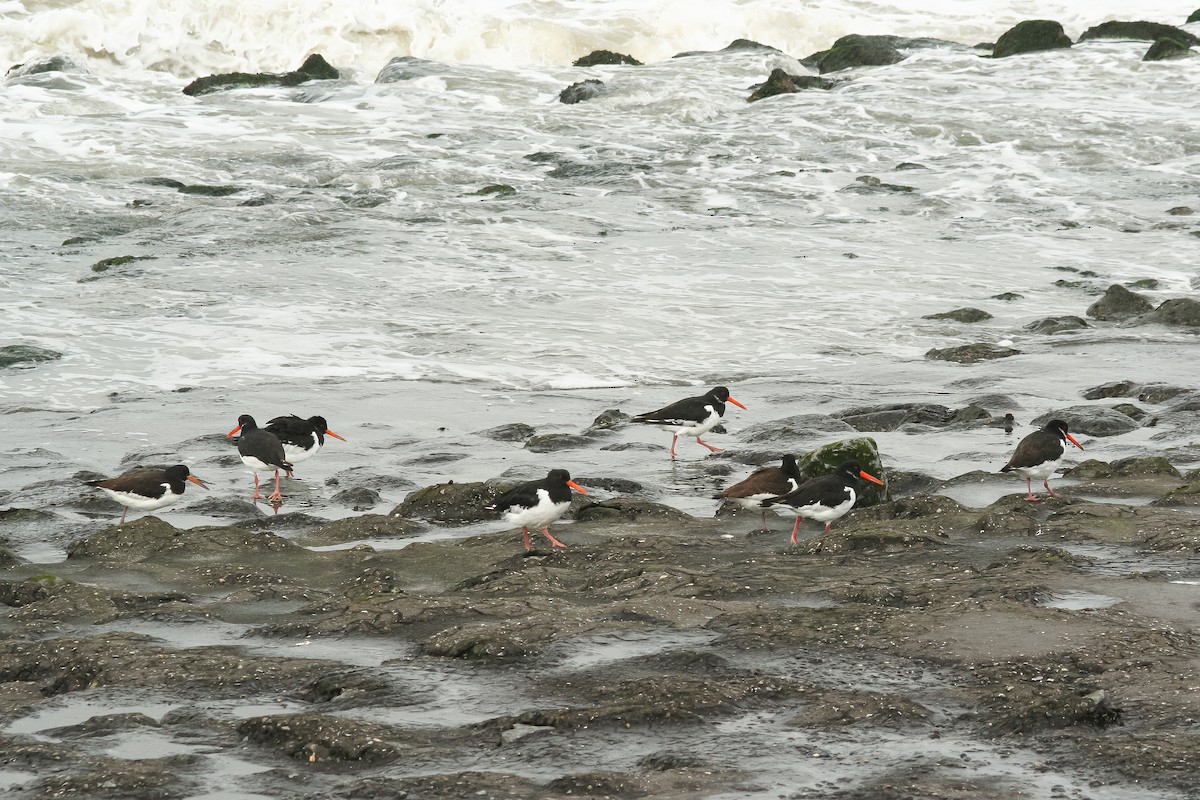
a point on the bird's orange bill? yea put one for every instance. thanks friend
(334, 435)
(196, 481)
(736, 403)
(1071, 439)
(577, 487)
(232, 432)
(867, 477)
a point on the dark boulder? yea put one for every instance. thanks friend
(1030, 36)
(314, 68)
(629, 508)
(961, 315)
(581, 91)
(358, 498)
(1091, 420)
(607, 420)
(451, 503)
(971, 353)
(1138, 31)
(323, 738)
(1050, 325)
(856, 51)
(605, 57)
(512, 432)
(783, 82)
(1167, 49)
(1114, 389)
(1182, 312)
(59, 62)
(552, 442)
(1119, 303)
(889, 417)
(1194, 16)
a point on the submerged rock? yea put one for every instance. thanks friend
(890, 416)
(1167, 49)
(1182, 312)
(511, 432)
(971, 353)
(782, 82)
(1031, 36)
(1051, 325)
(314, 68)
(855, 50)
(26, 354)
(961, 315)
(1114, 389)
(1140, 31)
(580, 91)
(605, 57)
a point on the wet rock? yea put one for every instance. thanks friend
(1054, 708)
(288, 522)
(581, 90)
(605, 57)
(736, 46)
(229, 507)
(629, 508)
(1118, 303)
(1182, 312)
(1008, 296)
(1090, 420)
(1051, 325)
(407, 68)
(599, 784)
(1031, 36)
(553, 442)
(149, 536)
(790, 432)
(961, 315)
(450, 503)
(855, 50)
(59, 62)
(1114, 389)
(359, 498)
(352, 529)
(869, 184)
(103, 725)
(1159, 392)
(123, 779)
(314, 68)
(1142, 31)
(77, 602)
(475, 643)
(323, 738)
(371, 478)
(837, 707)
(1130, 410)
(1144, 465)
(512, 432)
(1090, 469)
(615, 485)
(889, 417)
(1167, 49)
(606, 421)
(783, 82)
(14, 355)
(971, 353)
(887, 536)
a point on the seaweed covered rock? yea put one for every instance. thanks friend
(314, 68)
(1167, 49)
(1031, 36)
(971, 353)
(450, 503)
(26, 354)
(826, 459)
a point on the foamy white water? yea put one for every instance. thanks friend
(665, 233)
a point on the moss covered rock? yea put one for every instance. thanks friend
(826, 459)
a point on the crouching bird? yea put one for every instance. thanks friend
(535, 504)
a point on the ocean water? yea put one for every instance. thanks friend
(662, 238)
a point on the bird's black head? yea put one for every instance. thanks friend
(719, 393)
(246, 422)
(558, 476)
(789, 465)
(851, 468)
(1058, 428)
(179, 472)
(318, 423)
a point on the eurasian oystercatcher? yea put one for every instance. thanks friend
(693, 416)
(261, 451)
(301, 438)
(147, 489)
(1039, 454)
(535, 504)
(824, 498)
(762, 484)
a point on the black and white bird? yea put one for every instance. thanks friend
(261, 451)
(535, 504)
(693, 416)
(763, 484)
(301, 438)
(824, 498)
(1039, 454)
(147, 489)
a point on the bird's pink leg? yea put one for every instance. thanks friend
(1050, 491)
(276, 495)
(553, 542)
(256, 495)
(764, 520)
(706, 444)
(123, 513)
(1029, 495)
(674, 438)
(796, 529)
(827, 526)
(528, 545)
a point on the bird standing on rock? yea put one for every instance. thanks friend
(261, 451)
(693, 416)
(762, 484)
(535, 504)
(301, 438)
(825, 498)
(147, 489)
(1039, 454)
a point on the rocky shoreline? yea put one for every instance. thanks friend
(1063, 632)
